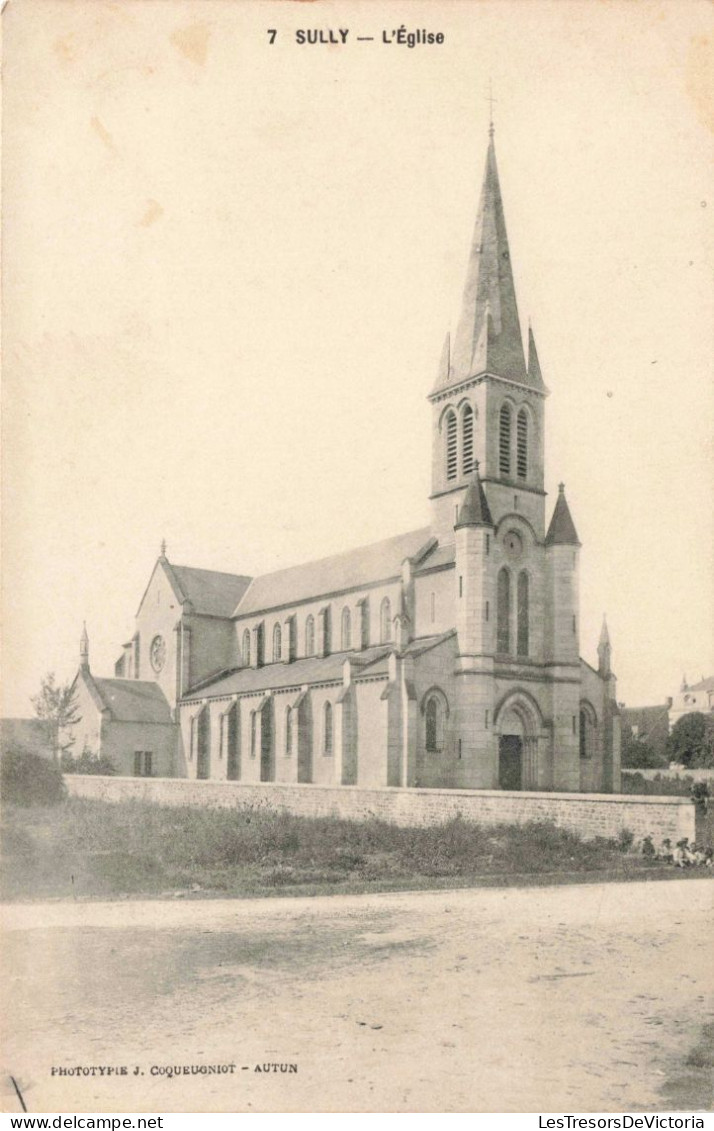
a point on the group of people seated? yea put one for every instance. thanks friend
(682, 855)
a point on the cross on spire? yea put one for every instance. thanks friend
(491, 101)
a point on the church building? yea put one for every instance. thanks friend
(448, 656)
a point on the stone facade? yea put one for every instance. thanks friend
(445, 657)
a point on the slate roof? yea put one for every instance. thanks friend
(134, 700)
(351, 570)
(703, 685)
(440, 557)
(210, 592)
(309, 669)
(561, 531)
(652, 722)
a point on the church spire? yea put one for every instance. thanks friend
(84, 648)
(488, 337)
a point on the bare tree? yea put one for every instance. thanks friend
(56, 705)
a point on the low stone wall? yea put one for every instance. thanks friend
(672, 775)
(590, 814)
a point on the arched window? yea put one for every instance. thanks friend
(452, 465)
(310, 636)
(467, 440)
(385, 621)
(346, 629)
(503, 622)
(522, 646)
(327, 747)
(504, 440)
(289, 730)
(588, 729)
(435, 709)
(246, 648)
(522, 444)
(277, 644)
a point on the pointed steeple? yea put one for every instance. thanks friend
(84, 648)
(534, 374)
(488, 338)
(561, 531)
(474, 509)
(444, 362)
(604, 650)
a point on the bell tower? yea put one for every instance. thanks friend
(488, 401)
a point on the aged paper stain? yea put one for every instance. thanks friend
(103, 133)
(700, 78)
(192, 42)
(152, 214)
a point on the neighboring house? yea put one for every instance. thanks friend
(692, 697)
(25, 734)
(647, 724)
(445, 656)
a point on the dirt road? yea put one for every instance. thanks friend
(543, 999)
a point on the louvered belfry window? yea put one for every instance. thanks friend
(522, 444)
(467, 445)
(451, 447)
(504, 440)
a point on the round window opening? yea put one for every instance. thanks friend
(158, 653)
(513, 544)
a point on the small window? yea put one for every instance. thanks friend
(467, 440)
(253, 732)
(385, 620)
(346, 630)
(451, 446)
(328, 728)
(143, 763)
(310, 636)
(488, 610)
(277, 644)
(246, 648)
(504, 440)
(461, 586)
(433, 607)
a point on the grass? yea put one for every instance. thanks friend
(94, 849)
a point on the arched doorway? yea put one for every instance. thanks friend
(518, 724)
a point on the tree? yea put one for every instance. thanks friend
(56, 705)
(638, 754)
(691, 742)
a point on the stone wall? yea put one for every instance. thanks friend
(590, 814)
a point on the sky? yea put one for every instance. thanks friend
(229, 266)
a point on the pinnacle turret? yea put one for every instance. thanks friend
(474, 509)
(561, 531)
(604, 650)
